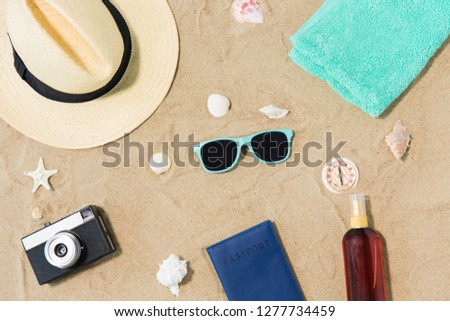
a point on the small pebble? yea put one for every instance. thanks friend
(36, 213)
(160, 163)
(218, 105)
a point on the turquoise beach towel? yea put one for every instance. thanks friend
(369, 51)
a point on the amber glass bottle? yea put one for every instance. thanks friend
(362, 257)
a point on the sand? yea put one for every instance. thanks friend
(186, 209)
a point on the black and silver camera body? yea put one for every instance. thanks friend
(68, 244)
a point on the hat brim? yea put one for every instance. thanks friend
(145, 84)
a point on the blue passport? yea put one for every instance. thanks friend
(252, 266)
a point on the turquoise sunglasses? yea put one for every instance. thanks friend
(220, 155)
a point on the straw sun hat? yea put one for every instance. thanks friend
(79, 74)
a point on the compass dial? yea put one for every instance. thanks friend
(340, 175)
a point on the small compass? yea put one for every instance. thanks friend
(340, 175)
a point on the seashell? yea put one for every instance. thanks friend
(171, 273)
(398, 140)
(218, 105)
(272, 111)
(36, 213)
(160, 163)
(247, 11)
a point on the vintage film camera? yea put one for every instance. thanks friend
(68, 244)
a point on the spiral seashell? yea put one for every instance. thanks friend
(171, 273)
(398, 140)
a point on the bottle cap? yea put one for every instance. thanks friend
(340, 175)
(359, 214)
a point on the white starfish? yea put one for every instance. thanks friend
(41, 176)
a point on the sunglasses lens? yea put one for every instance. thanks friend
(219, 154)
(271, 146)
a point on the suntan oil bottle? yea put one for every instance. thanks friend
(362, 257)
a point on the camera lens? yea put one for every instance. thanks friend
(63, 250)
(60, 250)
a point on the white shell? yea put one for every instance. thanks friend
(247, 11)
(36, 213)
(171, 273)
(218, 105)
(160, 163)
(398, 140)
(272, 111)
